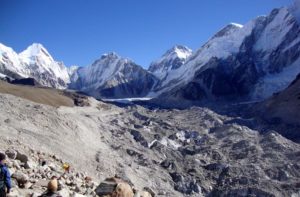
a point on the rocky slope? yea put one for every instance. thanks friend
(31, 171)
(282, 110)
(112, 76)
(284, 105)
(34, 62)
(192, 152)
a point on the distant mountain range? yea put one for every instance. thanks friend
(34, 62)
(239, 62)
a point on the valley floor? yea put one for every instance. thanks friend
(191, 152)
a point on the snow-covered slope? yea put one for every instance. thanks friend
(10, 63)
(173, 59)
(250, 62)
(112, 76)
(295, 9)
(35, 62)
(224, 43)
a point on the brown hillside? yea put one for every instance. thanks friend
(41, 95)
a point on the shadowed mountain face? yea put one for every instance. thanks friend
(282, 111)
(241, 62)
(284, 105)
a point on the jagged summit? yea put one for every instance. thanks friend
(228, 29)
(172, 59)
(36, 49)
(110, 55)
(34, 62)
(178, 50)
(112, 76)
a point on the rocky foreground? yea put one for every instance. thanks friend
(31, 171)
(192, 152)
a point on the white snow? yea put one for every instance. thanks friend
(101, 70)
(164, 64)
(275, 32)
(34, 61)
(237, 25)
(2, 76)
(128, 100)
(181, 136)
(295, 9)
(170, 143)
(36, 54)
(72, 69)
(11, 59)
(36, 50)
(218, 46)
(272, 83)
(110, 70)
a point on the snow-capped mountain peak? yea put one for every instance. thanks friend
(112, 76)
(35, 62)
(171, 60)
(262, 57)
(237, 25)
(179, 51)
(35, 50)
(10, 63)
(112, 55)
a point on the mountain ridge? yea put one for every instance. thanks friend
(239, 62)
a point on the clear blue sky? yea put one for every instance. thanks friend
(79, 31)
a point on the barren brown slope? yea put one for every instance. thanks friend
(41, 95)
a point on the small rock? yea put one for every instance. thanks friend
(35, 194)
(27, 185)
(150, 191)
(30, 164)
(77, 195)
(16, 164)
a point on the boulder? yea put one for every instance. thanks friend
(123, 190)
(22, 157)
(106, 188)
(11, 153)
(114, 187)
(64, 192)
(20, 177)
